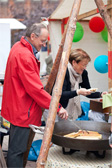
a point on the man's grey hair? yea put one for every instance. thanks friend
(35, 28)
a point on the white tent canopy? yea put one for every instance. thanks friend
(65, 7)
(6, 25)
(14, 23)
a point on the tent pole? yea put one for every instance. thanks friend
(104, 15)
(92, 12)
(54, 70)
(30, 140)
(110, 59)
(108, 21)
(58, 86)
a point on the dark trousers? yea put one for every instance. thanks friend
(18, 140)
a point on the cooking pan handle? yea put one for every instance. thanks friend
(37, 129)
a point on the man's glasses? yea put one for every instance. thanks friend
(42, 41)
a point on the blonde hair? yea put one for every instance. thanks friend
(78, 55)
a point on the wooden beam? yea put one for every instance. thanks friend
(58, 86)
(2, 159)
(104, 14)
(30, 140)
(110, 55)
(110, 61)
(92, 12)
(54, 70)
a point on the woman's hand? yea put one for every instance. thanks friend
(83, 92)
(103, 93)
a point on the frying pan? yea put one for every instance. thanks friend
(64, 127)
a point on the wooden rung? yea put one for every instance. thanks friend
(2, 159)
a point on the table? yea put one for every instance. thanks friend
(56, 159)
(96, 105)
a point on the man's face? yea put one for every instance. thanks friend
(39, 41)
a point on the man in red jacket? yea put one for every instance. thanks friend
(23, 93)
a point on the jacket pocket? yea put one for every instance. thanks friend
(29, 109)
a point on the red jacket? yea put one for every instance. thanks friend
(23, 93)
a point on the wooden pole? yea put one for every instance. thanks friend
(2, 159)
(110, 60)
(30, 140)
(58, 86)
(92, 12)
(108, 21)
(104, 14)
(54, 71)
(110, 57)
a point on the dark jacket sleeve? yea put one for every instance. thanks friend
(86, 84)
